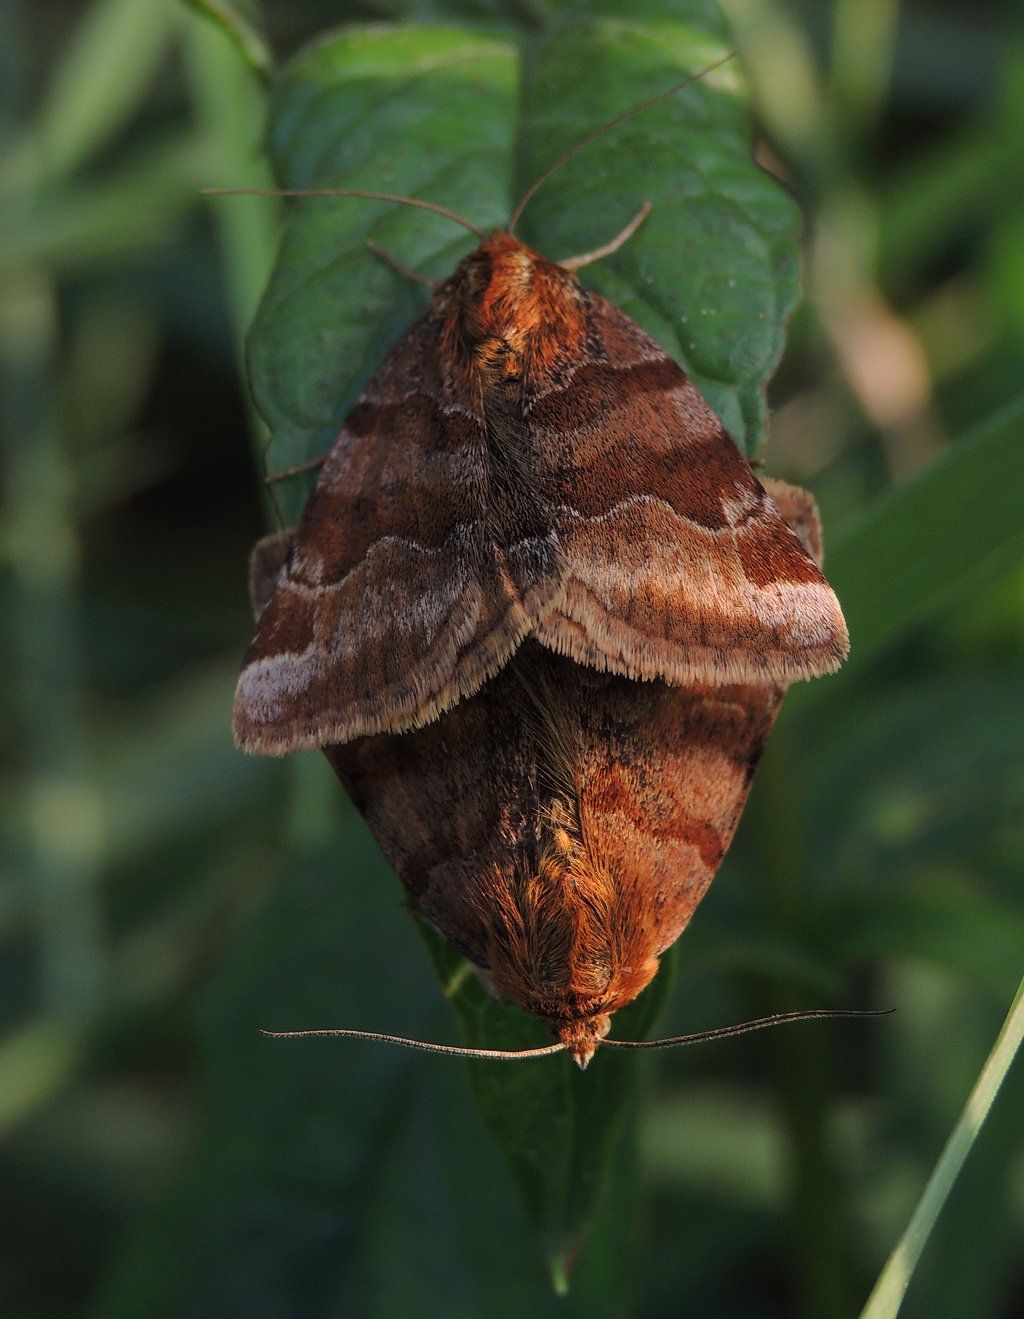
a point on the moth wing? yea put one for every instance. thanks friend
(678, 563)
(675, 766)
(799, 511)
(267, 563)
(450, 805)
(437, 799)
(404, 588)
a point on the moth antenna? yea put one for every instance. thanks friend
(745, 1027)
(601, 129)
(514, 1055)
(344, 192)
(278, 510)
(297, 470)
(455, 1050)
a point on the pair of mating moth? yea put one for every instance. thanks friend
(539, 613)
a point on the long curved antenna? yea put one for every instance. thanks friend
(595, 133)
(744, 1027)
(613, 244)
(344, 192)
(456, 1050)
(517, 1055)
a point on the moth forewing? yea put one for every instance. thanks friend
(526, 462)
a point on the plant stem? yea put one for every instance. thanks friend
(887, 1295)
(231, 109)
(863, 47)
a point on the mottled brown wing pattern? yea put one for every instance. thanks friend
(678, 564)
(561, 826)
(411, 578)
(430, 796)
(642, 783)
(527, 461)
(453, 806)
(665, 775)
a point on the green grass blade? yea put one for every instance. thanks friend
(922, 543)
(87, 103)
(246, 38)
(887, 1296)
(77, 225)
(55, 797)
(927, 543)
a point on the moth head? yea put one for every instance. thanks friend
(582, 1034)
(581, 1037)
(513, 306)
(578, 1024)
(560, 948)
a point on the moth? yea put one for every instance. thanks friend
(561, 826)
(526, 464)
(539, 612)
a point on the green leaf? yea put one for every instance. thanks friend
(712, 273)
(433, 112)
(99, 80)
(561, 1129)
(235, 18)
(424, 112)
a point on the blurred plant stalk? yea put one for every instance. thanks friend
(230, 112)
(60, 819)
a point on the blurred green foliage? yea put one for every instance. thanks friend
(162, 895)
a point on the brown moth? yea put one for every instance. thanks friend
(561, 826)
(526, 463)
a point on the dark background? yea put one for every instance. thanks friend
(139, 847)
